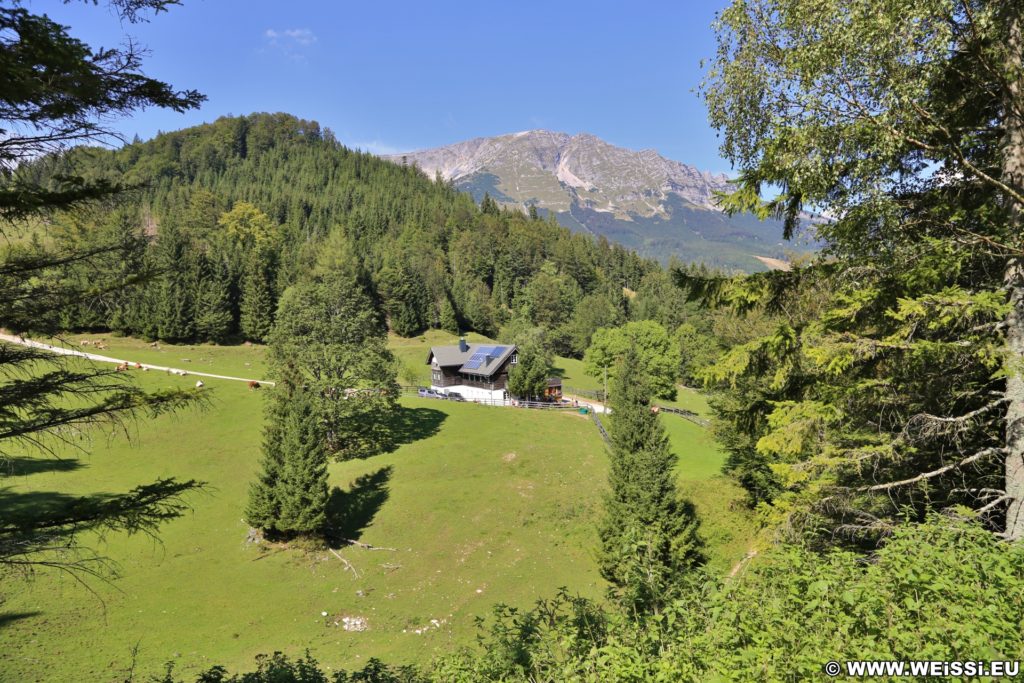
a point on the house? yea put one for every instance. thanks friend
(553, 392)
(477, 371)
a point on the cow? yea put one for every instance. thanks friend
(199, 384)
(138, 366)
(254, 385)
(122, 367)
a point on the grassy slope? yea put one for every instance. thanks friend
(482, 505)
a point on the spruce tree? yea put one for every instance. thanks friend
(213, 307)
(257, 305)
(57, 92)
(649, 537)
(449, 320)
(302, 488)
(175, 309)
(264, 509)
(891, 384)
(290, 496)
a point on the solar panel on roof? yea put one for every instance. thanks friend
(482, 355)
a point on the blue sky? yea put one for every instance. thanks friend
(398, 76)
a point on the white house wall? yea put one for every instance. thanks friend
(473, 393)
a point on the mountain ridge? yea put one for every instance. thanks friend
(639, 198)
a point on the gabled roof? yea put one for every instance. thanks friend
(477, 359)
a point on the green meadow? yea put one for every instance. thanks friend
(476, 506)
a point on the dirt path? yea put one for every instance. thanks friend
(596, 406)
(65, 351)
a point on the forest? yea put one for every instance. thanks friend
(232, 213)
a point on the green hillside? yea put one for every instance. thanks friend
(481, 505)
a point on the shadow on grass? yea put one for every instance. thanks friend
(24, 509)
(21, 466)
(8, 618)
(350, 512)
(408, 425)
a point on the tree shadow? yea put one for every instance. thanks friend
(350, 512)
(8, 618)
(408, 425)
(19, 466)
(23, 509)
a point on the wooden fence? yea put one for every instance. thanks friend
(594, 395)
(509, 402)
(600, 427)
(686, 414)
(598, 395)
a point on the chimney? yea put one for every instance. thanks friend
(463, 346)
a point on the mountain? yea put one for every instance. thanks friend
(656, 206)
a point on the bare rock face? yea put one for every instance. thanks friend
(554, 169)
(640, 199)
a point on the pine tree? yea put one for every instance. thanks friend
(649, 537)
(406, 300)
(257, 307)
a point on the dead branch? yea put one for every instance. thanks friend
(985, 508)
(367, 546)
(924, 476)
(348, 565)
(927, 426)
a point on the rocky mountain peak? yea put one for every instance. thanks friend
(641, 199)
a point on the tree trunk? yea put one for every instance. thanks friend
(1013, 175)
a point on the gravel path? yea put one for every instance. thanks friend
(65, 351)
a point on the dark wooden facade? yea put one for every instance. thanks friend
(450, 377)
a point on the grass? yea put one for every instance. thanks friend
(690, 399)
(234, 361)
(481, 505)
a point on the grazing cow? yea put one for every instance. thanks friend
(199, 384)
(138, 366)
(122, 367)
(254, 385)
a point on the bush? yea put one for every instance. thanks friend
(943, 590)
